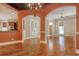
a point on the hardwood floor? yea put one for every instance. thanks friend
(55, 46)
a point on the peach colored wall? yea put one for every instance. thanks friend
(42, 13)
(77, 27)
(7, 36)
(29, 12)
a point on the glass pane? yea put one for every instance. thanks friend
(61, 29)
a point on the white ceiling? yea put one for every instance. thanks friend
(7, 12)
(63, 11)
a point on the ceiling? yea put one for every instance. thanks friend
(24, 6)
(7, 13)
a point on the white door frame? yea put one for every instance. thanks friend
(74, 34)
(26, 18)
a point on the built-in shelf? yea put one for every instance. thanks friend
(8, 25)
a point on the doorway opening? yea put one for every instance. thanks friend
(64, 28)
(30, 27)
(61, 28)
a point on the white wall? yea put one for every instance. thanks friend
(69, 16)
(31, 27)
(7, 12)
(69, 25)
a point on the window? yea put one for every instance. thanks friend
(61, 29)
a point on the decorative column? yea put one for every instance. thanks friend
(42, 28)
(77, 26)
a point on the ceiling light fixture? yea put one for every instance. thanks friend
(35, 6)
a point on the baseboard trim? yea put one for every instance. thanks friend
(60, 35)
(44, 42)
(77, 51)
(10, 42)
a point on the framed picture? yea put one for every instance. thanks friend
(4, 24)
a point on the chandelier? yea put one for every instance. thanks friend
(35, 6)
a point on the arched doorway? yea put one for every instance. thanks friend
(30, 27)
(63, 28)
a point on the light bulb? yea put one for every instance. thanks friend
(31, 7)
(38, 3)
(50, 23)
(29, 4)
(36, 8)
(40, 6)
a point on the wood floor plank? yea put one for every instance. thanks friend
(55, 46)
